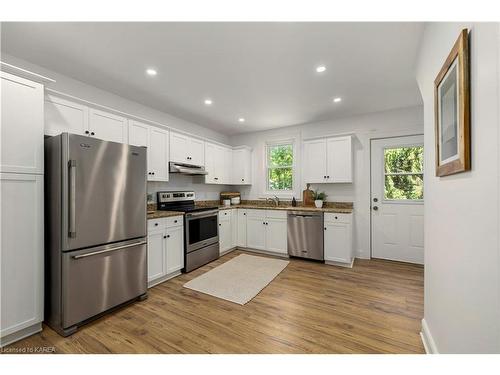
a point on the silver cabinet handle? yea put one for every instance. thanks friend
(72, 199)
(108, 250)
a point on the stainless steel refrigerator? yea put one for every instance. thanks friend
(95, 228)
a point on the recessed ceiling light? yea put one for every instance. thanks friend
(337, 100)
(151, 72)
(241, 119)
(208, 101)
(321, 69)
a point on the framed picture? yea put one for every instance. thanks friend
(452, 110)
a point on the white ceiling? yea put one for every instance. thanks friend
(264, 72)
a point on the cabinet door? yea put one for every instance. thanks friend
(339, 159)
(276, 235)
(315, 161)
(157, 262)
(210, 163)
(22, 125)
(21, 206)
(107, 126)
(227, 164)
(256, 228)
(158, 154)
(242, 228)
(65, 116)
(196, 151)
(179, 146)
(234, 228)
(338, 242)
(175, 249)
(138, 134)
(224, 235)
(238, 168)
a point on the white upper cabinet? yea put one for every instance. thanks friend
(186, 150)
(158, 154)
(339, 159)
(315, 161)
(65, 116)
(242, 167)
(157, 142)
(108, 126)
(328, 160)
(218, 164)
(22, 125)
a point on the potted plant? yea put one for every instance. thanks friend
(319, 198)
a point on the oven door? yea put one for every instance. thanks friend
(202, 229)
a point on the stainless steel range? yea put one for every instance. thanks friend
(201, 228)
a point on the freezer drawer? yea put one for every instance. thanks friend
(97, 279)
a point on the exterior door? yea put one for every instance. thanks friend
(104, 183)
(397, 201)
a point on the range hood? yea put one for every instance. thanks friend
(187, 169)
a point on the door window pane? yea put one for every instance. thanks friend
(403, 173)
(409, 186)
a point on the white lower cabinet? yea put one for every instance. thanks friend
(165, 248)
(241, 235)
(267, 230)
(338, 239)
(227, 229)
(175, 249)
(21, 303)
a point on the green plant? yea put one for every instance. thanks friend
(317, 196)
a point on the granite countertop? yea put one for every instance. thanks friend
(159, 214)
(333, 207)
(337, 210)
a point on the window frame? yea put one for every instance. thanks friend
(285, 194)
(384, 174)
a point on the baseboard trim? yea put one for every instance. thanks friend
(427, 340)
(163, 279)
(340, 264)
(19, 335)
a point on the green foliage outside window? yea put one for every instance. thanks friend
(280, 167)
(404, 177)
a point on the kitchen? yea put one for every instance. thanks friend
(144, 213)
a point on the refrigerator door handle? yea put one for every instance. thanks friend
(109, 250)
(72, 198)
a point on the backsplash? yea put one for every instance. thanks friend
(187, 183)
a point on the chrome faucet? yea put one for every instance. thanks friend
(276, 200)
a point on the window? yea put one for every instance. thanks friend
(404, 173)
(280, 167)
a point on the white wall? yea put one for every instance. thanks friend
(462, 289)
(403, 121)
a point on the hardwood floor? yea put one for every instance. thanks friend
(375, 307)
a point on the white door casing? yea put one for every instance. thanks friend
(397, 226)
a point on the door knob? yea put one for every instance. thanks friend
(375, 208)
(375, 199)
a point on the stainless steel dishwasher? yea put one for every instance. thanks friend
(305, 234)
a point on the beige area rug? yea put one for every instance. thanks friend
(240, 279)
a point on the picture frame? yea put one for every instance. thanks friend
(452, 110)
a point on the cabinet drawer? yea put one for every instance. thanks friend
(174, 221)
(338, 218)
(225, 214)
(261, 214)
(159, 223)
(276, 214)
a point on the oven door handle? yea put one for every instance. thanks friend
(202, 214)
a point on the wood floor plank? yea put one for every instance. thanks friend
(375, 307)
